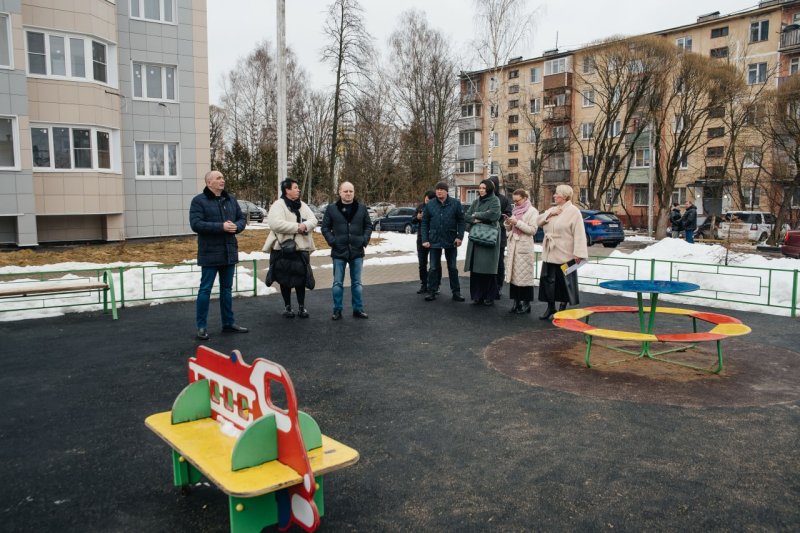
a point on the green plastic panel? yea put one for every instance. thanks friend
(183, 473)
(193, 403)
(312, 436)
(257, 444)
(255, 514)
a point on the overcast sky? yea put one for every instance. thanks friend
(235, 26)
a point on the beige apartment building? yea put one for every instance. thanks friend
(548, 104)
(104, 116)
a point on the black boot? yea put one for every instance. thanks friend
(524, 307)
(422, 289)
(515, 307)
(548, 313)
(562, 306)
(302, 312)
(288, 313)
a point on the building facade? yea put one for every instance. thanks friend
(104, 107)
(538, 117)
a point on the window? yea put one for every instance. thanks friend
(513, 104)
(679, 124)
(513, 89)
(559, 161)
(6, 55)
(615, 129)
(641, 157)
(719, 52)
(588, 65)
(752, 157)
(558, 132)
(155, 10)
(155, 160)
(536, 75)
(513, 119)
(493, 83)
(471, 110)
(493, 111)
(534, 134)
(495, 168)
(513, 162)
(683, 162)
(754, 115)
(719, 32)
(715, 133)
(513, 134)
(68, 56)
(588, 98)
(587, 130)
(640, 195)
(157, 82)
(756, 73)
(759, 31)
(752, 197)
(684, 43)
(466, 138)
(716, 112)
(466, 166)
(555, 100)
(794, 66)
(513, 74)
(680, 85)
(612, 196)
(555, 66)
(679, 195)
(494, 139)
(613, 163)
(9, 143)
(583, 196)
(71, 148)
(587, 162)
(535, 105)
(513, 148)
(715, 151)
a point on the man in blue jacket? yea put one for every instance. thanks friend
(443, 229)
(216, 217)
(347, 228)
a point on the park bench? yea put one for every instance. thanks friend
(269, 460)
(42, 288)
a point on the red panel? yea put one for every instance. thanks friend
(572, 324)
(613, 309)
(715, 318)
(690, 337)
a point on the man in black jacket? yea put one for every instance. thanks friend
(443, 230)
(216, 217)
(505, 209)
(422, 253)
(675, 220)
(347, 228)
(689, 221)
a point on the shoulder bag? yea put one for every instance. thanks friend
(484, 234)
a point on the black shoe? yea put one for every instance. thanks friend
(431, 296)
(515, 307)
(548, 313)
(202, 334)
(288, 313)
(360, 314)
(488, 303)
(423, 289)
(524, 307)
(499, 296)
(562, 306)
(236, 328)
(457, 297)
(302, 312)
(337, 315)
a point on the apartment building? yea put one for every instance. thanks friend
(542, 111)
(104, 118)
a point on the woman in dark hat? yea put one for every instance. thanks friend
(481, 261)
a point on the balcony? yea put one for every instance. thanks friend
(558, 113)
(560, 144)
(470, 151)
(556, 176)
(470, 96)
(556, 81)
(790, 40)
(469, 123)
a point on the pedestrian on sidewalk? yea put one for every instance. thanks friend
(675, 220)
(505, 211)
(521, 227)
(422, 253)
(689, 221)
(481, 261)
(347, 228)
(443, 230)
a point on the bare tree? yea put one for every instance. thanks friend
(348, 51)
(216, 119)
(313, 127)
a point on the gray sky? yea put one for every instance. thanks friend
(235, 26)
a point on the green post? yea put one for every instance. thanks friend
(121, 287)
(255, 278)
(794, 294)
(652, 269)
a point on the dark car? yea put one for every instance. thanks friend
(602, 227)
(791, 244)
(251, 211)
(398, 219)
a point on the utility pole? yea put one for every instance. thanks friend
(281, 55)
(650, 183)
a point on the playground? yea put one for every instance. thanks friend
(463, 418)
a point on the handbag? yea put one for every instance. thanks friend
(310, 281)
(484, 234)
(289, 246)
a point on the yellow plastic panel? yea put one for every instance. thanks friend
(732, 330)
(673, 311)
(573, 313)
(621, 335)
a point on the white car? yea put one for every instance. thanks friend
(753, 226)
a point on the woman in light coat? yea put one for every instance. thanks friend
(521, 227)
(481, 261)
(290, 218)
(564, 245)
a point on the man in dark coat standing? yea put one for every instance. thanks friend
(216, 217)
(675, 220)
(443, 229)
(347, 228)
(689, 221)
(422, 253)
(505, 209)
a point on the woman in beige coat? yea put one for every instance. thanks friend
(564, 245)
(290, 219)
(520, 226)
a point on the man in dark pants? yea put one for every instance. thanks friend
(689, 221)
(443, 229)
(216, 217)
(505, 209)
(675, 220)
(423, 253)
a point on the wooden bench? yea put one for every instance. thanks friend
(25, 289)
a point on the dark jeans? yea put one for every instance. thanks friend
(207, 276)
(422, 259)
(690, 235)
(501, 269)
(435, 270)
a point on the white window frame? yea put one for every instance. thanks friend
(494, 139)
(756, 73)
(535, 105)
(161, 12)
(679, 195)
(588, 65)
(536, 75)
(15, 140)
(583, 195)
(5, 18)
(113, 144)
(638, 192)
(466, 166)
(467, 110)
(587, 130)
(88, 58)
(683, 163)
(558, 132)
(513, 147)
(759, 30)
(752, 197)
(559, 161)
(164, 83)
(641, 157)
(752, 157)
(678, 124)
(513, 104)
(616, 129)
(165, 176)
(586, 162)
(611, 196)
(555, 66)
(588, 98)
(466, 136)
(534, 134)
(684, 43)
(794, 66)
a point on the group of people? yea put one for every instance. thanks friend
(216, 217)
(686, 221)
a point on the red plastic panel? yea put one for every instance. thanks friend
(572, 324)
(613, 309)
(715, 318)
(690, 337)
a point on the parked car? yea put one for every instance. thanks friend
(791, 244)
(398, 219)
(252, 211)
(373, 215)
(602, 227)
(706, 231)
(747, 225)
(382, 208)
(319, 211)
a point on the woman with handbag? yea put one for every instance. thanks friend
(564, 245)
(289, 244)
(483, 249)
(521, 227)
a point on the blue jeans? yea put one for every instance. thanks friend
(225, 294)
(435, 269)
(690, 235)
(356, 289)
